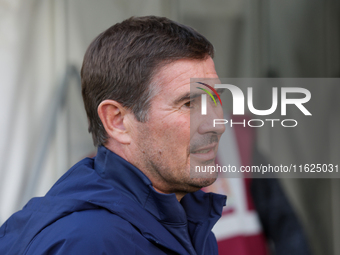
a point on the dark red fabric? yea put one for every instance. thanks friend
(243, 245)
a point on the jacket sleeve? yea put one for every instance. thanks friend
(81, 233)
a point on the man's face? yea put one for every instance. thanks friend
(164, 145)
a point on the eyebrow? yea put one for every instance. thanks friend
(188, 96)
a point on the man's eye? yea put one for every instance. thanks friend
(188, 104)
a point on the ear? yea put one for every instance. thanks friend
(115, 120)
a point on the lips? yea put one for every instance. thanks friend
(205, 153)
(202, 151)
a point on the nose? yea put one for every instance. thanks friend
(207, 121)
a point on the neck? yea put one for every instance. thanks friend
(179, 195)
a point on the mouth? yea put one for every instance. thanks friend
(205, 153)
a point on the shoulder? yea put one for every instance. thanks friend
(85, 232)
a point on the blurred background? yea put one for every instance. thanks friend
(44, 127)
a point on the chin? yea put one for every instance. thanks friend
(194, 184)
(199, 183)
(203, 173)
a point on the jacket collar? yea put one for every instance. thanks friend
(199, 208)
(134, 184)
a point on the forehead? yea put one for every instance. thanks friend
(175, 77)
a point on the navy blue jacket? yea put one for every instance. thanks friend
(106, 205)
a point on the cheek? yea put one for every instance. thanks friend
(194, 124)
(184, 129)
(178, 131)
(196, 120)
